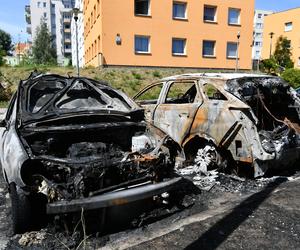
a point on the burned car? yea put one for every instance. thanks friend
(71, 144)
(218, 119)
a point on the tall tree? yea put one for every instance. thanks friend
(42, 49)
(282, 53)
(5, 45)
(5, 42)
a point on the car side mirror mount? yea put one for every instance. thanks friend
(2, 123)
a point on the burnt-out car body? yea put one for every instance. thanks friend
(253, 120)
(78, 144)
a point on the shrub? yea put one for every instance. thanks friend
(292, 76)
(136, 75)
(156, 74)
(269, 65)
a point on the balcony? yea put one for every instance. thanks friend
(67, 20)
(28, 18)
(28, 29)
(27, 9)
(68, 51)
(67, 40)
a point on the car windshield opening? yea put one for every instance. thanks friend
(82, 96)
(42, 92)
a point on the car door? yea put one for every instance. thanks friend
(148, 99)
(215, 119)
(4, 129)
(176, 111)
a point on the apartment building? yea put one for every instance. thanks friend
(80, 26)
(57, 15)
(181, 33)
(259, 18)
(286, 24)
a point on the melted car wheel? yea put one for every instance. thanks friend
(207, 158)
(28, 211)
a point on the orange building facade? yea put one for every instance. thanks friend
(286, 24)
(156, 33)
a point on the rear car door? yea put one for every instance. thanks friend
(148, 98)
(176, 111)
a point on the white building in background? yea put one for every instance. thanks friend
(258, 33)
(80, 23)
(57, 15)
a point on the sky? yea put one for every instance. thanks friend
(12, 14)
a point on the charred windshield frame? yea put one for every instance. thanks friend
(114, 100)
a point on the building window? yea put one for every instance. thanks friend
(259, 15)
(142, 7)
(208, 49)
(210, 13)
(288, 26)
(45, 15)
(258, 35)
(44, 5)
(142, 44)
(99, 44)
(178, 46)
(98, 7)
(39, 4)
(259, 26)
(258, 44)
(95, 14)
(179, 10)
(231, 50)
(234, 16)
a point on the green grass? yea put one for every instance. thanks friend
(4, 104)
(129, 80)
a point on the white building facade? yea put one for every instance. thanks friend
(57, 15)
(258, 33)
(80, 25)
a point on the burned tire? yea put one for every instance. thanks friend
(207, 158)
(28, 211)
(21, 210)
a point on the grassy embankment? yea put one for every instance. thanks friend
(129, 80)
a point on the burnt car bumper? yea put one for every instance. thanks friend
(113, 198)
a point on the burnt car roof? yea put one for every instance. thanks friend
(221, 76)
(49, 95)
(235, 83)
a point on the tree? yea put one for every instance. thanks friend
(292, 76)
(5, 45)
(269, 65)
(5, 42)
(42, 49)
(282, 54)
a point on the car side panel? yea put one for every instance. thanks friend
(176, 119)
(229, 127)
(13, 154)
